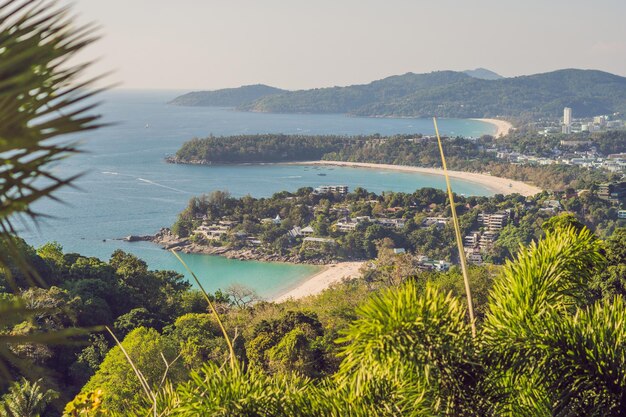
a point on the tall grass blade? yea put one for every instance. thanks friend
(457, 231)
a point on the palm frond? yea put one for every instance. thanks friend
(411, 348)
(41, 98)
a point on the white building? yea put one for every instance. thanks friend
(396, 223)
(327, 189)
(474, 257)
(567, 116)
(348, 224)
(493, 221)
(307, 231)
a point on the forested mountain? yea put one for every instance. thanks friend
(455, 94)
(351, 99)
(227, 97)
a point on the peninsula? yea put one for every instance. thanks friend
(410, 153)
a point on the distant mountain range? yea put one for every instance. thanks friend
(473, 93)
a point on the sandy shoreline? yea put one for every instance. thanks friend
(317, 283)
(497, 184)
(502, 126)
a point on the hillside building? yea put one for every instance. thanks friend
(332, 189)
(493, 221)
(614, 192)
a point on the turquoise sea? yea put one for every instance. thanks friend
(127, 188)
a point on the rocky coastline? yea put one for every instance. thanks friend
(173, 159)
(168, 241)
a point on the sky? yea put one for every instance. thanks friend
(294, 44)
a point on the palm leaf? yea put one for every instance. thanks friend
(42, 98)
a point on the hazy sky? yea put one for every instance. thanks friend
(208, 44)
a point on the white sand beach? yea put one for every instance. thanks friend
(497, 184)
(317, 283)
(502, 126)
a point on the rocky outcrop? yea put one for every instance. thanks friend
(135, 238)
(168, 240)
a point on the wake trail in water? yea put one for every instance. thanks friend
(178, 190)
(162, 186)
(117, 174)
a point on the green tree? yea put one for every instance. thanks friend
(529, 331)
(122, 390)
(288, 344)
(26, 399)
(562, 221)
(611, 282)
(89, 359)
(200, 340)
(137, 317)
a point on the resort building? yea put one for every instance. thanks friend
(474, 256)
(297, 231)
(307, 231)
(487, 239)
(334, 189)
(614, 192)
(431, 264)
(494, 221)
(395, 223)
(212, 232)
(471, 240)
(348, 224)
(275, 220)
(438, 221)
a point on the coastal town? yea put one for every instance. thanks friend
(574, 146)
(329, 224)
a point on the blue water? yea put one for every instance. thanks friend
(127, 188)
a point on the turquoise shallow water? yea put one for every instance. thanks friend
(128, 188)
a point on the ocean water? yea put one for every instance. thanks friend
(127, 188)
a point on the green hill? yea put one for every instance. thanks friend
(454, 94)
(351, 99)
(588, 93)
(227, 97)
